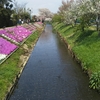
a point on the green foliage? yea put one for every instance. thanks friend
(5, 13)
(56, 18)
(95, 80)
(15, 19)
(8, 16)
(85, 21)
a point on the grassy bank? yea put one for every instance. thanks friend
(10, 68)
(86, 47)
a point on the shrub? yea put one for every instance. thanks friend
(95, 80)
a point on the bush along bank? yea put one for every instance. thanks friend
(85, 47)
(12, 68)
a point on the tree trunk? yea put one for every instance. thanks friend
(97, 25)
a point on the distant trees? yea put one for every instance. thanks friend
(45, 12)
(4, 2)
(20, 12)
(86, 12)
(66, 11)
(5, 12)
(11, 11)
(56, 18)
(89, 11)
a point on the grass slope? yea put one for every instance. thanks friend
(86, 47)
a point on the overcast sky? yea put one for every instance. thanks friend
(34, 5)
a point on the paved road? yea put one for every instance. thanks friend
(52, 74)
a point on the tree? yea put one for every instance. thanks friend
(56, 18)
(20, 11)
(83, 13)
(90, 7)
(5, 12)
(66, 12)
(96, 10)
(34, 18)
(3, 2)
(45, 12)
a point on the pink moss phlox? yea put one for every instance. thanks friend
(6, 47)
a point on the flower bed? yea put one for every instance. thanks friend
(30, 27)
(40, 23)
(15, 34)
(6, 48)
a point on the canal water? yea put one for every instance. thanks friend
(52, 74)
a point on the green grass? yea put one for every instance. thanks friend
(9, 69)
(86, 47)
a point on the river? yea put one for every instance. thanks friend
(52, 74)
